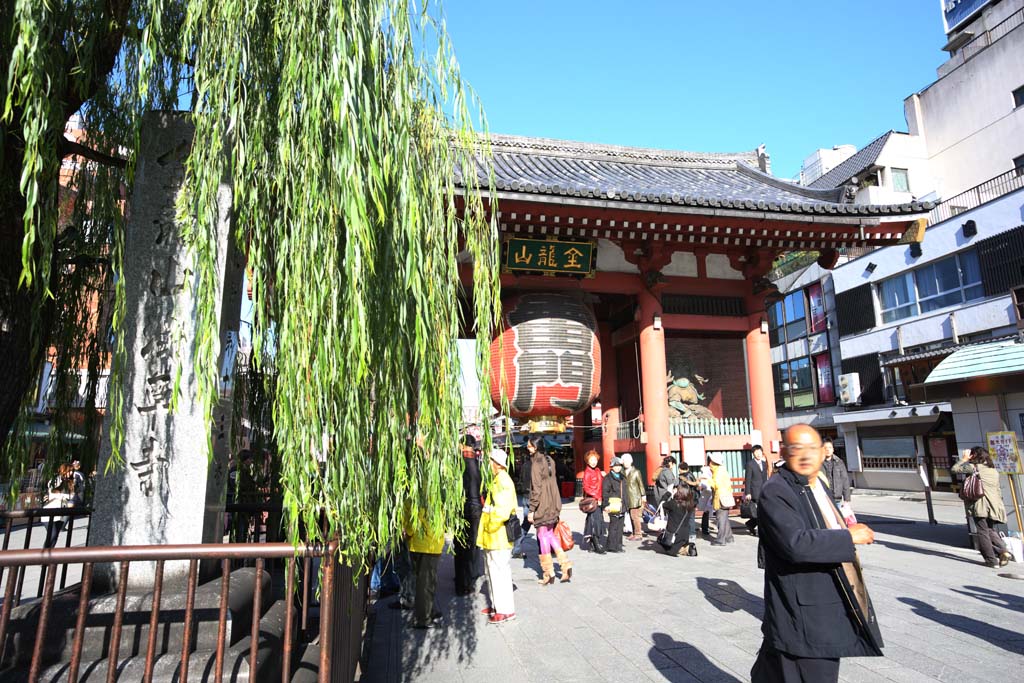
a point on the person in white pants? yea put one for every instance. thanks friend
(493, 540)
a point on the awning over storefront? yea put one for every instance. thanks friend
(976, 370)
(40, 431)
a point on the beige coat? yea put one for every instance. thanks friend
(991, 504)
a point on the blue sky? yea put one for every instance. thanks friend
(700, 76)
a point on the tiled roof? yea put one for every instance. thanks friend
(864, 159)
(541, 166)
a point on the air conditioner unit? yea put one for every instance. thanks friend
(849, 389)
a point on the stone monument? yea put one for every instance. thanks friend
(170, 489)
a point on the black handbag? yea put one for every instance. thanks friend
(668, 539)
(513, 529)
(748, 509)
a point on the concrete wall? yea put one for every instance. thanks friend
(967, 117)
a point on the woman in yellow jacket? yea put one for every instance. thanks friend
(721, 487)
(425, 548)
(493, 540)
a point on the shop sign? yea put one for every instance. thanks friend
(823, 367)
(956, 12)
(1002, 446)
(549, 256)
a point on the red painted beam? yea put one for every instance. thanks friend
(705, 323)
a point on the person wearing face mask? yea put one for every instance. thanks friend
(635, 496)
(613, 494)
(593, 479)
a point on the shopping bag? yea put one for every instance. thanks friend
(564, 535)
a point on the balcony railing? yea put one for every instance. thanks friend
(994, 188)
(978, 44)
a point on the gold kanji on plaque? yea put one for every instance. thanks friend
(573, 260)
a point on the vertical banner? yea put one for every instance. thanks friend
(816, 297)
(823, 368)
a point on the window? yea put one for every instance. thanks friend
(947, 282)
(900, 180)
(794, 387)
(897, 298)
(889, 453)
(787, 319)
(1018, 165)
(1018, 97)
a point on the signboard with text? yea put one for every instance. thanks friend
(816, 300)
(549, 256)
(1002, 446)
(823, 368)
(956, 12)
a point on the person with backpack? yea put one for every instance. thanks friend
(984, 503)
(545, 508)
(523, 482)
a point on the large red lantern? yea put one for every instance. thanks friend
(548, 358)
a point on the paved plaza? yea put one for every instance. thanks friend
(641, 616)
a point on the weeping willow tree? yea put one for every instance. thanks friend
(342, 126)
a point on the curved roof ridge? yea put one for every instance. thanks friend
(834, 194)
(620, 153)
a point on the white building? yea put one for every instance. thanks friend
(972, 117)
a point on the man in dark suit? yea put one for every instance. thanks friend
(757, 472)
(816, 608)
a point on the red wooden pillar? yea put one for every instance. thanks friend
(578, 436)
(759, 378)
(653, 373)
(609, 396)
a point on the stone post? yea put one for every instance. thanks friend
(170, 489)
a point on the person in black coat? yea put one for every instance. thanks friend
(613, 501)
(757, 472)
(679, 514)
(468, 558)
(816, 608)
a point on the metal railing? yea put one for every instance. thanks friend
(52, 518)
(978, 44)
(729, 426)
(335, 660)
(993, 188)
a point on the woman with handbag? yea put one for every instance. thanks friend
(987, 509)
(545, 508)
(675, 539)
(721, 487)
(493, 539)
(613, 492)
(593, 528)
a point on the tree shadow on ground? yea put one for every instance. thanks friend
(994, 598)
(681, 662)
(892, 545)
(400, 652)
(728, 596)
(1011, 641)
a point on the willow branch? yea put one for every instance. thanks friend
(72, 148)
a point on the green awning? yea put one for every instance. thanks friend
(977, 370)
